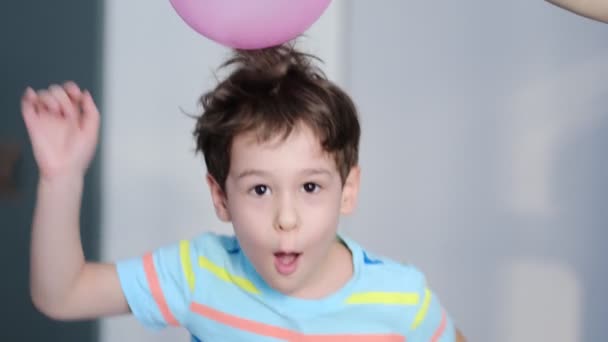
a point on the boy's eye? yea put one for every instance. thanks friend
(311, 187)
(260, 190)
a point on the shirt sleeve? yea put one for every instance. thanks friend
(430, 321)
(156, 285)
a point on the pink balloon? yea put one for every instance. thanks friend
(250, 24)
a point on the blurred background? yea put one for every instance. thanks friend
(485, 130)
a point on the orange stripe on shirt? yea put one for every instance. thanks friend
(282, 333)
(439, 332)
(157, 292)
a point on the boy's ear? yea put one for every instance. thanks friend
(218, 196)
(350, 191)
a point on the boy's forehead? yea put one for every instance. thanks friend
(300, 146)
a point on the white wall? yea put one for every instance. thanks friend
(153, 186)
(493, 117)
(484, 159)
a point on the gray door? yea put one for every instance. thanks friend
(41, 42)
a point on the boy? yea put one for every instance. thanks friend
(280, 142)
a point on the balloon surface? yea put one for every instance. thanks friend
(250, 24)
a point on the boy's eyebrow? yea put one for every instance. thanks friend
(317, 171)
(261, 173)
(251, 172)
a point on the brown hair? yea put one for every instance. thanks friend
(269, 92)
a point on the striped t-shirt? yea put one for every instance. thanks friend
(209, 287)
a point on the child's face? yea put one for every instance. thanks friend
(284, 198)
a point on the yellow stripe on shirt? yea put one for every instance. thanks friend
(221, 273)
(390, 298)
(424, 308)
(184, 255)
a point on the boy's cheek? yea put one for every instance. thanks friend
(247, 205)
(249, 216)
(326, 208)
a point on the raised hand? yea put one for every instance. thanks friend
(593, 9)
(63, 126)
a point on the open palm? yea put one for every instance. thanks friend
(63, 125)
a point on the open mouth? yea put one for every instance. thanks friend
(286, 262)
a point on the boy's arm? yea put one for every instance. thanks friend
(63, 285)
(594, 9)
(63, 125)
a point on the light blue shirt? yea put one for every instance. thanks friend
(208, 286)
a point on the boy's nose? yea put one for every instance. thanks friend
(287, 216)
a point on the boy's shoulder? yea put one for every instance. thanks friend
(214, 246)
(385, 274)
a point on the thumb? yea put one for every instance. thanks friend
(28, 110)
(90, 114)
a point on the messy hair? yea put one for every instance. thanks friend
(270, 92)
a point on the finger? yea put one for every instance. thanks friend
(49, 102)
(29, 94)
(66, 106)
(38, 107)
(28, 109)
(90, 113)
(73, 91)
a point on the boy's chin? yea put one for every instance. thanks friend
(286, 285)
